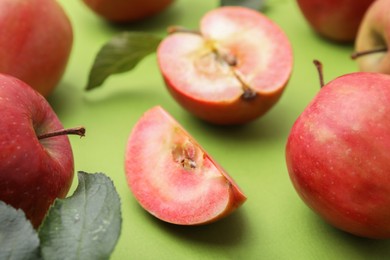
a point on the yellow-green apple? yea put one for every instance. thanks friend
(337, 20)
(231, 71)
(127, 10)
(338, 156)
(35, 43)
(371, 46)
(36, 160)
(173, 177)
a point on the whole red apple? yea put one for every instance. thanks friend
(35, 42)
(337, 20)
(231, 71)
(338, 156)
(127, 10)
(173, 177)
(371, 46)
(34, 169)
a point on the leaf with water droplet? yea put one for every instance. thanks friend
(86, 225)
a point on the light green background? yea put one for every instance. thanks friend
(273, 223)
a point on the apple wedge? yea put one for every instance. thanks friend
(171, 175)
(231, 71)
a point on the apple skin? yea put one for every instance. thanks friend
(122, 11)
(206, 85)
(338, 157)
(336, 20)
(172, 176)
(37, 43)
(373, 34)
(33, 173)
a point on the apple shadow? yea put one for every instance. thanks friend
(366, 247)
(229, 231)
(268, 127)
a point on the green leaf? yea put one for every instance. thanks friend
(253, 4)
(18, 239)
(121, 54)
(86, 225)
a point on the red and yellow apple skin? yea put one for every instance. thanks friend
(338, 154)
(230, 72)
(374, 34)
(336, 20)
(122, 11)
(33, 173)
(172, 177)
(37, 43)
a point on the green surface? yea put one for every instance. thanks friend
(274, 223)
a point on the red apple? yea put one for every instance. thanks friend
(173, 177)
(371, 47)
(337, 20)
(127, 10)
(338, 154)
(230, 72)
(35, 42)
(34, 169)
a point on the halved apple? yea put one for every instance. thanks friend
(172, 177)
(231, 71)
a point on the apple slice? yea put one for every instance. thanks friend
(231, 71)
(172, 177)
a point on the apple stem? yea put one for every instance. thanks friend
(177, 29)
(318, 65)
(69, 131)
(358, 54)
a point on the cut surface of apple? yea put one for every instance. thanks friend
(172, 177)
(232, 70)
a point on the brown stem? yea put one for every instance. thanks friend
(70, 131)
(358, 54)
(318, 65)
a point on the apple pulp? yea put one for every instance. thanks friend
(32, 172)
(172, 177)
(338, 156)
(231, 71)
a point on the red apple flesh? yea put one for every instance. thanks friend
(37, 42)
(374, 38)
(338, 156)
(33, 172)
(127, 10)
(336, 20)
(172, 176)
(230, 72)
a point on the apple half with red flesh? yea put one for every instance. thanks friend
(373, 39)
(231, 71)
(172, 176)
(338, 156)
